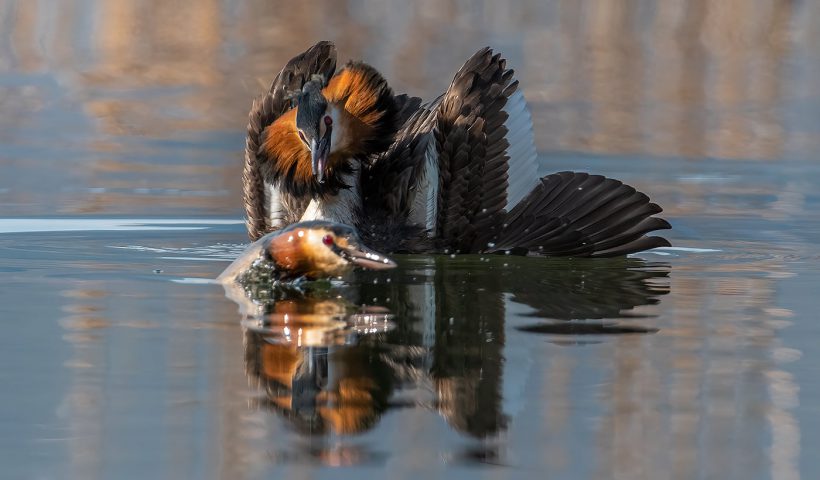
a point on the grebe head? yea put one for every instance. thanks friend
(314, 123)
(320, 249)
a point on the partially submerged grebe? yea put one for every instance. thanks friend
(310, 250)
(458, 174)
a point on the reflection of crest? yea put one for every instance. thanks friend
(343, 389)
(305, 352)
(328, 364)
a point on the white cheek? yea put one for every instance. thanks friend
(334, 134)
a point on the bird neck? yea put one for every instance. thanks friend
(344, 207)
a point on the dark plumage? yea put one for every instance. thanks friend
(454, 175)
(313, 106)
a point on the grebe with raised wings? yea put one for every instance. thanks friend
(457, 175)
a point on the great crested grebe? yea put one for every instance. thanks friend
(311, 250)
(458, 174)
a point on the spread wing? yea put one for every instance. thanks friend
(464, 168)
(582, 215)
(263, 206)
(471, 143)
(448, 169)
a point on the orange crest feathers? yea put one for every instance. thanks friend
(281, 144)
(357, 92)
(367, 126)
(369, 108)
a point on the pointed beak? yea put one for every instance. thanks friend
(362, 256)
(318, 156)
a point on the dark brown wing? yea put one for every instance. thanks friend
(471, 143)
(448, 172)
(318, 59)
(582, 215)
(387, 182)
(394, 183)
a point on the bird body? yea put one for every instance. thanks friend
(457, 174)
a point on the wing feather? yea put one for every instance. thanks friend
(523, 168)
(577, 214)
(471, 149)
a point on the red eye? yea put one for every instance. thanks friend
(328, 120)
(327, 240)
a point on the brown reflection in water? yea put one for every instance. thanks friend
(696, 397)
(108, 364)
(85, 398)
(322, 377)
(746, 44)
(699, 398)
(698, 79)
(677, 83)
(320, 389)
(25, 48)
(306, 353)
(135, 50)
(613, 67)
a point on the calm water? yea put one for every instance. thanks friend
(120, 155)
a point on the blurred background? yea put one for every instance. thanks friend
(119, 106)
(117, 363)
